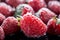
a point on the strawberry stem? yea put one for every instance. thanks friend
(19, 18)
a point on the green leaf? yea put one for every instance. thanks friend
(18, 10)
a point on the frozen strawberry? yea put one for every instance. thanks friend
(32, 26)
(23, 9)
(51, 26)
(6, 9)
(2, 17)
(36, 4)
(10, 25)
(45, 14)
(15, 3)
(54, 6)
(54, 26)
(1, 34)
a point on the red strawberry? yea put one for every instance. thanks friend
(36, 4)
(45, 14)
(15, 3)
(6, 9)
(32, 26)
(2, 17)
(51, 26)
(23, 9)
(10, 25)
(1, 34)
(54, 26)
(54, 6)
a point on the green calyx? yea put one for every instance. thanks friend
(58, 21)
(18, 10)
(18, 18)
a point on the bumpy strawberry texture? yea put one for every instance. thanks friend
(2, 18)
(15, 3)
(54, 26)
(10, 25)
(45, 14)
(54, 6)
(6, 10)
(37, 4)
(32, 26)
(23, 9)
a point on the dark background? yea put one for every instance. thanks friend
(21, 36)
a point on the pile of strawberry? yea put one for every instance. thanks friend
(34, 18)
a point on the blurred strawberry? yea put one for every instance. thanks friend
(36, 4)
(15, 3)
(23, 9)
(2, 17)
(10, 25)
(45, 14)
(6, 9)
(54, 6)
(54, 26)
(1, 33)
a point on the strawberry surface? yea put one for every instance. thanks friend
(32, 26)
(45, 14)
(2, 18)
(37, 4)
(54, 26)
(6, 10)
(15, 3)
(1, 33)
(23, 9)
(54, 6)
(10, 25)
